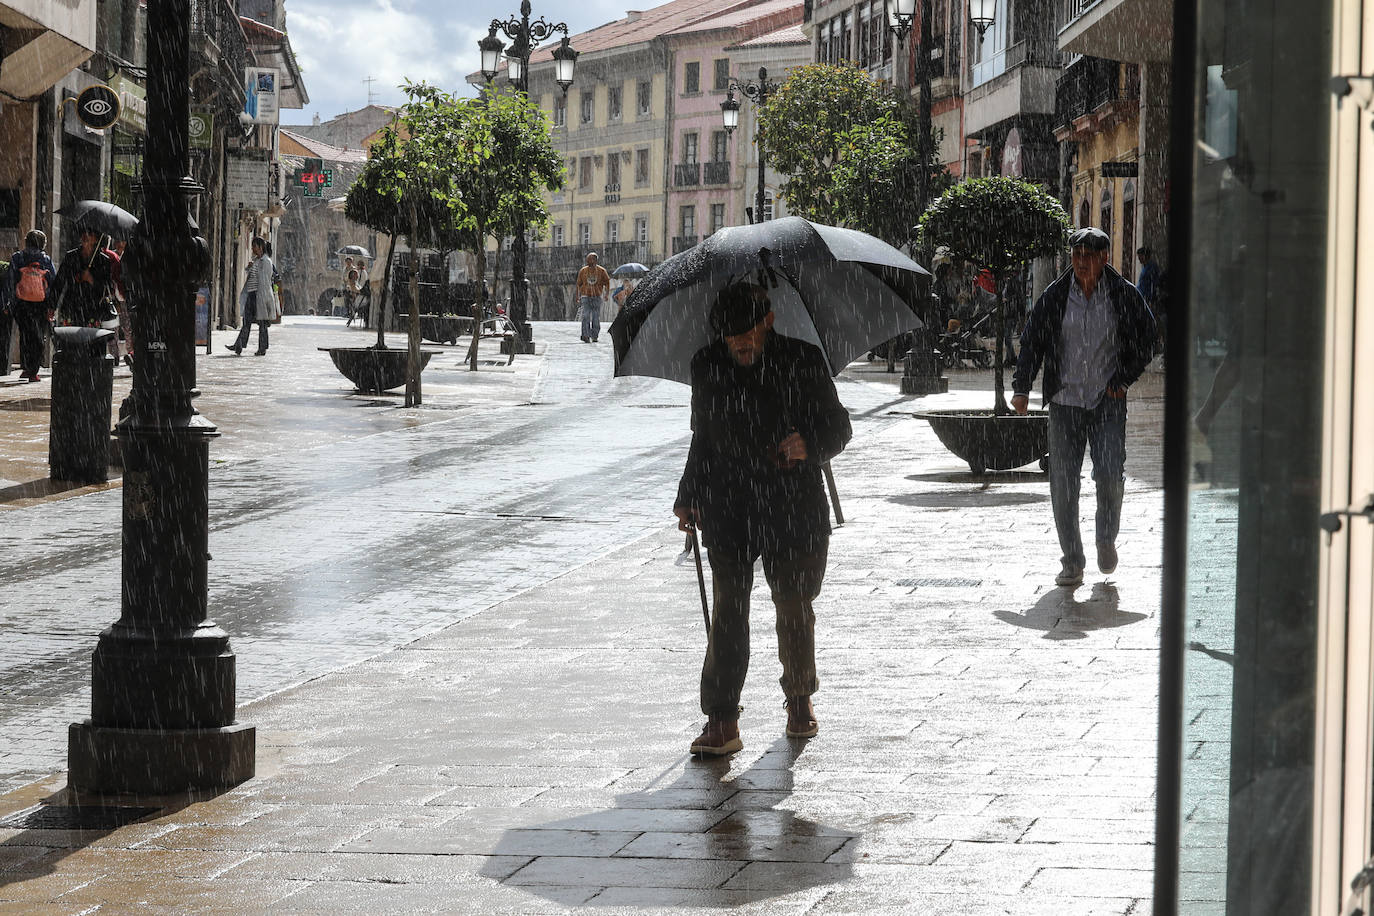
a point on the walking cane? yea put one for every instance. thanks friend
(834, 493)
(701, 580)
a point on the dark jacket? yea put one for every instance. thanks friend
(745, 500)
(83, 304)
(1040, 341)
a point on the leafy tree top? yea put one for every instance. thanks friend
(471, 167)
(997, 223)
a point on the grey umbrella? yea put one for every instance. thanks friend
(357, 251)
(102, 217)
(632, 269)
(840, 289)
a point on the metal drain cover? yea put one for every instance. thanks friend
(75, 817)
(940, 583)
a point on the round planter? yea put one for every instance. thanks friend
(990, 442)
(444, 328)
(374, 370)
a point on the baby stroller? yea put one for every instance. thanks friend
(965, 341)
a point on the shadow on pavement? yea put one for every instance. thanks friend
(709, 839)
(968, 499)
(1062, 616)
(986, 478)
(46, 486)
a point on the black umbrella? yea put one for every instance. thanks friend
(840, 289)
(102, 217)
(357, 251)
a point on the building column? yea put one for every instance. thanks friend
(1151, 199)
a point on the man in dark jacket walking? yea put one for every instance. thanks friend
(765, 418)
(1094, 336)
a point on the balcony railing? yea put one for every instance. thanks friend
(686, 174)
(682, 242)
(612, 193)
(218, 38)
(716, 173)
(1090, 83)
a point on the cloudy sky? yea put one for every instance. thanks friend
(340, 43)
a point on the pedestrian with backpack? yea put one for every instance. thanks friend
(27, 285)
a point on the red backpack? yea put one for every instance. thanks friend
(33, 283)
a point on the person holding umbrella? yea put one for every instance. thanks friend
(765, 418)
(84, 289)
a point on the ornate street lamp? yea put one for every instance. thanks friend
(729, 113)
(900, 15)
(982, 13)
(921, 373)
(526, 37)
(162, 676)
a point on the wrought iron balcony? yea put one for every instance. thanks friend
(1089, 84)
(551, 263)
(687, 174)
(716, 173)
(612, 193)
(217, 38)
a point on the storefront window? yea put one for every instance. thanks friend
(1255, 314)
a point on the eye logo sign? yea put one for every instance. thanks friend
(98, 107)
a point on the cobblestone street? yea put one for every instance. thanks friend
(472, 650)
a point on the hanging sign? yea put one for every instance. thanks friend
(248, 180)
(260, 85)
(98, 107)
(201, 127)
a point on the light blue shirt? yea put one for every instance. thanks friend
(1088, 347)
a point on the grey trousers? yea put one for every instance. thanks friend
(1103, 429)
(795, 581)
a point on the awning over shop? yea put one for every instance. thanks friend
(53, 40)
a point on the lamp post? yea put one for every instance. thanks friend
(921, 371)
(729, 111)
(162, 676)
(526, 37)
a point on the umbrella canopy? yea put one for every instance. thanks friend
(357, 251)
(102, 217)
(840, 289)
(632, 269)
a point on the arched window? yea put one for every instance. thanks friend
(1084, 211)
(1128, 230)
(1105, 211)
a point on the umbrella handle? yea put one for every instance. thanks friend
(701, 580)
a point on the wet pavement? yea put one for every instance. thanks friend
(470, 646)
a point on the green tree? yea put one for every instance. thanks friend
(802, 126)
(998, 224)
(847, 146)
(511, 164)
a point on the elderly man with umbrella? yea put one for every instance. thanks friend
(765, 417)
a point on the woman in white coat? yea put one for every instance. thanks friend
(258, 301)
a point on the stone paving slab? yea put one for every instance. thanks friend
(530, 756)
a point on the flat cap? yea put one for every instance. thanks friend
(738, 308)
(1092, 238)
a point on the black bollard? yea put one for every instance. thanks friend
(82, 383)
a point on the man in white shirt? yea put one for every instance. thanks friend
(1094, 335)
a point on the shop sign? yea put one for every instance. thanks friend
(202, 127)
(133, 105)
(248, 180)
(260, 88)
(1121, 169)
(98, 107)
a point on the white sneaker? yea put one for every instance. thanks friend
(1069, 575)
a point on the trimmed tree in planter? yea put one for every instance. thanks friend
(997, 224)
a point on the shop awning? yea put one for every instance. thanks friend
(55, 39)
